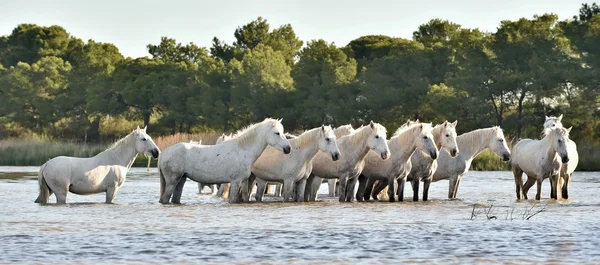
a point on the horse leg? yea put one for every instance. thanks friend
(331, 183)
(169, 184)
(308, 188)
(426, 184)
(213, 189)
(343, 185)
(300, 186)
(288, 190)
(246, 192)
(278, 189)
(61, 195)
(565, 185)
(452, 183)
(261, 185)
(518, 174)
(45, 191)
(179, 190)
(391, 189)
(415, 187)
(401, 182)
(111, 193)
(456, 186)
(368, 189)
(554, 186)
(350, 187)
(234, 191)
(200, 187)
(538, 195)
(528, 184)
(362, 183)
(379, 186)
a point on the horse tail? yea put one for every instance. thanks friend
(162, 180)
(44, 188)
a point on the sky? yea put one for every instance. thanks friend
(133, 24)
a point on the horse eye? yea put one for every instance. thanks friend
(424, 137)
(447, 135)
(553, 125)
(501, 140)
(377, 136)
(277, 133)
(327, 139)
(143, 139)
(560, 141)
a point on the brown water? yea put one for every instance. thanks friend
(207, 230)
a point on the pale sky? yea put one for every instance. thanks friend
(132, 24)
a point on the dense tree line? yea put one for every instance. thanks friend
(55, 84)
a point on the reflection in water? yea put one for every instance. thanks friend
(207, 229)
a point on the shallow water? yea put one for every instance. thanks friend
(137, 229)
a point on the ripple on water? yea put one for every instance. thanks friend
(206, 229)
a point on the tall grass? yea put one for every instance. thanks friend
(34, 151)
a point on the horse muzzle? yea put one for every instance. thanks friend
(335, 156)
(155, 153)
(433, 155)
(287, 149)
(565, 159)
(454, 152)
(506, 157)
(385, 155)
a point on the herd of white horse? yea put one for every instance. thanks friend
(261, 155)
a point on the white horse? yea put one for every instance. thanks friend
(423, 167)
(230, 161)
(104, 172)
(353, 149)
(213, 187)
(567, 169)
(405, 141)
(293, 170)
(540, 159)
(470, 145)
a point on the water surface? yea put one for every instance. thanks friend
(137, 229)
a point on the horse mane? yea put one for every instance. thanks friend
(404, 137)
(476, 136)
(305, 138)
(246, 135)
(343, 130)
(290, 136)
(405, 126)
(120, 141)
(356, 137)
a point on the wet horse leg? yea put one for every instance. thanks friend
(401, 182)
(415, 187)
(300, 186)
(179, 190)
(111, 193)
(350, 188)
(392, 189)
(426, 184)
(565, 185)
(362, 183)
(528, 184)
(518, 174)
(369, 189)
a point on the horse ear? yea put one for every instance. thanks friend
(145, 127)
(417, 121)
(454, 123)
(138, 129)
(546, 117)
(323, 128)
(569, 129)
(372, 125)
(559, 117)
(421, 126)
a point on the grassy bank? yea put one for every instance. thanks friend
(34, 152)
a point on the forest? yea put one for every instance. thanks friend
(57, 87)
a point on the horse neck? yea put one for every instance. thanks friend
(399, 150)
(307, 144)
(355, 145)
(252, 145)
(123, 153)
(549, 150)
(472, 143)
(437, 135)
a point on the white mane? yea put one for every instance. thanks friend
(246, 135)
